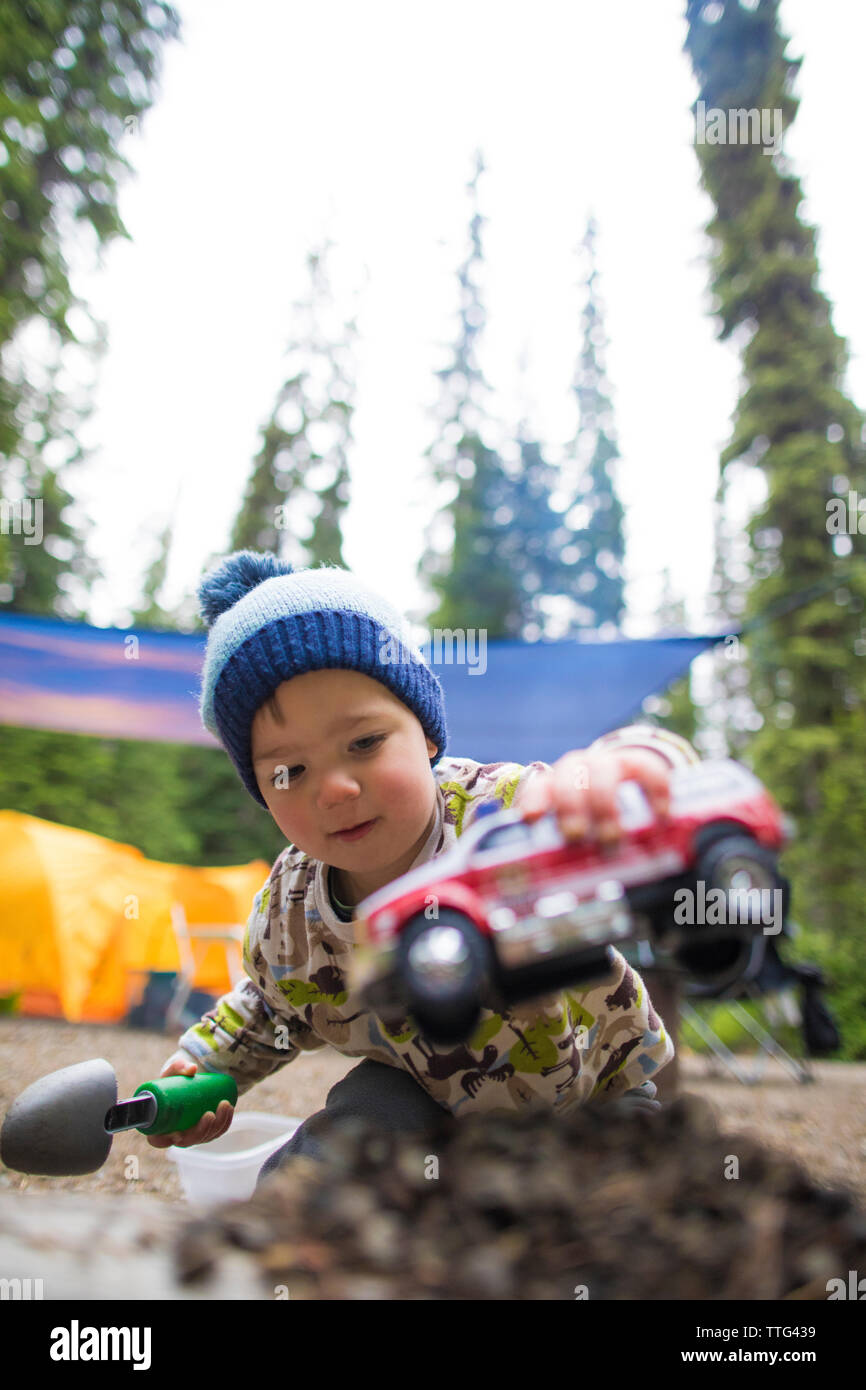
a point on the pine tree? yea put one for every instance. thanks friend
(794, 424)
(793, 421)
(75, 79)
(45, 567)
(595, 516)
(299, 490)
(151, 612)
(539, 544)
(464, 573)
(501, 562)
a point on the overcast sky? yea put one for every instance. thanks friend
(279, 123)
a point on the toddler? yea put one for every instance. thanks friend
(345, 747)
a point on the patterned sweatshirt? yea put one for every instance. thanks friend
(576, 1046)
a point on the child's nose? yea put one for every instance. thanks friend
(336, 787)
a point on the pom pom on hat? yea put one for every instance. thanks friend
(235, 576)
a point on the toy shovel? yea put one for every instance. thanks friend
(62, 1125)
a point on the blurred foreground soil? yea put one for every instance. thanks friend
(520, 1210)
(593, 1205)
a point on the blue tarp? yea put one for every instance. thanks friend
(537, 700)
(513, 701)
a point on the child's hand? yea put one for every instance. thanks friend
(581, 788)
(209, 1127)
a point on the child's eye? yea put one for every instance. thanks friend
(280, 776)
(370, 739)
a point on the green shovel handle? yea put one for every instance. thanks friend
(182, 1100)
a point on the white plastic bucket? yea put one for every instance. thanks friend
(227, 1169)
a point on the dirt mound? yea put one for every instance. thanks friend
(599, 1203)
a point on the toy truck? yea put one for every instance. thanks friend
(515, 910)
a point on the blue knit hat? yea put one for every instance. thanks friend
(269, 622)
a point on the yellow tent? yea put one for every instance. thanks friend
(83, 920)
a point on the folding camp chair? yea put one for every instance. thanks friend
(771, 985)
(189, 935)
(758, 975)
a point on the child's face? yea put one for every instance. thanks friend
(317, 778)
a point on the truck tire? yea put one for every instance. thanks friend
(445, 966)
(723, 860)
(723, 957)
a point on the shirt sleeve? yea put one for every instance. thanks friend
(626, 1043)
(676, 750)
(242, 1035)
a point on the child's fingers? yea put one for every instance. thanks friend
(534, 798)
(179, 1069)
(600, 798)
(562, 789)
(209, 1127)
(226, 1122)
(203, 1132)
(582, 790)
(652, 773)
(160, 1141)
(222, 1120)
(184, 1138)
(586, 789)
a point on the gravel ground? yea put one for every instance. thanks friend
(823, 1124)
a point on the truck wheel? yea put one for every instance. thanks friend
(719, 957)
(738, 863)
(445, 965)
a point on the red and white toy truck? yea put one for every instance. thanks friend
(515, 911)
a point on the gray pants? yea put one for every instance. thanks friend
(388, 1096)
